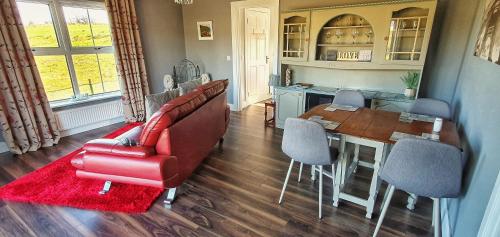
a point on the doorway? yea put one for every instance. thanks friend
(257, 65)
(254, 25)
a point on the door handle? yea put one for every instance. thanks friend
(267, 59)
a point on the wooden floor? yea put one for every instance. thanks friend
(234, 193)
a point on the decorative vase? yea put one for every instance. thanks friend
(410, 93)
(288, 77)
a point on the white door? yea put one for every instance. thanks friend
(257, 67)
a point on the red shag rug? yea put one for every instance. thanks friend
(56, 184)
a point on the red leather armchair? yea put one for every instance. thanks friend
(169, 147)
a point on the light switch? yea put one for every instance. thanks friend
(228, 58)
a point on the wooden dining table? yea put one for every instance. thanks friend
(373, 128)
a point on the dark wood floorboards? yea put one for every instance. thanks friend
(233, 193)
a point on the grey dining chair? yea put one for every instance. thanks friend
(431, 107)
(306, 142)
(349, 97)
(425, 168)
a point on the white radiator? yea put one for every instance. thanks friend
(81, 119)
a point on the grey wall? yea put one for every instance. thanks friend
(162, 36)
(210, 55)
(472, 85)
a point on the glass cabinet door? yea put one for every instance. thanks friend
(295, 36)
(406, 34)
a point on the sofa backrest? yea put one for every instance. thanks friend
(213, 88)
(168, 114)
(191, 139)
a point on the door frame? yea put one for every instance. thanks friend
(490, 226)
(238, 43)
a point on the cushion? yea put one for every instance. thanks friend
(168, 114)
(155, 101)
(189, 86)
(213, 88)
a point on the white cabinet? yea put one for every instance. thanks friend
(289, 104)
(392, 106)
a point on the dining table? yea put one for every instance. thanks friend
(372, 128)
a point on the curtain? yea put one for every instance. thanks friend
(26, 119)
(130, 59)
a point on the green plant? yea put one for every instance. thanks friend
(410, 80)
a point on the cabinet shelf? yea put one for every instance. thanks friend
(345, 27)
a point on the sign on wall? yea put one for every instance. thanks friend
(488, 40)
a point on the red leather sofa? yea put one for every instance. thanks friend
(170, 146)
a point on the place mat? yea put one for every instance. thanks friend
(409, 117)
(327, 124)
(334, 107)
(425, 136)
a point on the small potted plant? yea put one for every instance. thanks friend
(411, 82)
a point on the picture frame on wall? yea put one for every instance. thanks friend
(205, 30)
(488, 40)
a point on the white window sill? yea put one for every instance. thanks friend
(63, 104)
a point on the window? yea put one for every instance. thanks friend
(71, 42)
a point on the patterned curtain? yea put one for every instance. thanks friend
(25, 115)
(130, 59)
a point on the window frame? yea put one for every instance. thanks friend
(66, 49)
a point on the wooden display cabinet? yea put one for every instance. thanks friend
(295, 36)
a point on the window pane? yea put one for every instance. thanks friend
(101, 30)
(87, 72)
(88, 27)
(90, 67)
(108, 72)
(80, 33)
(38, 24)
(55, 77)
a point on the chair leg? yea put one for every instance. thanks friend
(320, 190)
(105, 188)
(384, 209)
(313, 173)
(300, 171)
(286, 181)
(333, 182)
(169, 199)
(436, 210)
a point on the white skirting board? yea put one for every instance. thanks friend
(82, 119)
(232, 107)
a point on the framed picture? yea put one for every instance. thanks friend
(205, 30)
(488, 40)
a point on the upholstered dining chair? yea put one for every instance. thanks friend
(350, 98)
(425, 168)
(306, 142)
(431, 107)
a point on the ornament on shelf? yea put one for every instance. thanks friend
(168, 82)
(288, 77)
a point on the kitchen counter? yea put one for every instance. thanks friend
(369, 94)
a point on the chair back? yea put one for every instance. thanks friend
(349, 97)
(306, 141)
(431, 107)
(425, 168)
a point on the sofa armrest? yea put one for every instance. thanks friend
(115, 147)
(158, 167)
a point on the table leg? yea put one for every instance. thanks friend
(412, 201)
(379, 157)
(338, 174)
